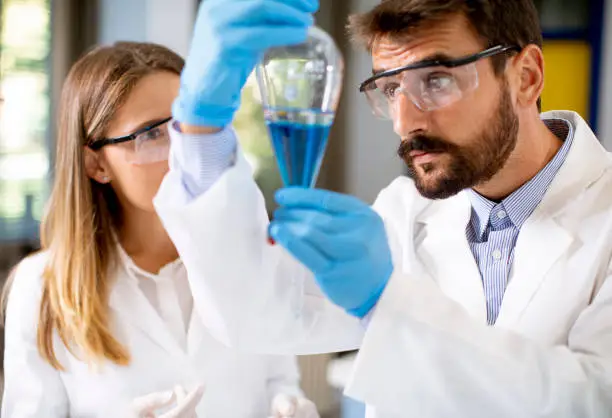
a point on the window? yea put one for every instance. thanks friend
(24, 116)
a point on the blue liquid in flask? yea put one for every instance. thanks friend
(299, 139)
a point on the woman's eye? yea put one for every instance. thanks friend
(152, 134)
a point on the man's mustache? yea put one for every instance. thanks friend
(423, 143)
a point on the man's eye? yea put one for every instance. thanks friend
(439, 82)
(390, 90)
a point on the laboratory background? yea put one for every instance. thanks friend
(40, 39)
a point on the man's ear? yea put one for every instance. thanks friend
(529, 68)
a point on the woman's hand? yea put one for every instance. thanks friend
(289, 406)
(181, 403)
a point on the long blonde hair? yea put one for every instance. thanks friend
(78, 227)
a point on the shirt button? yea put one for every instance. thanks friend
(501, 214)
(497, 255)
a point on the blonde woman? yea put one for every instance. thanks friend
(101, 322)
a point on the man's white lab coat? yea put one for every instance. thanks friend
(427, 351)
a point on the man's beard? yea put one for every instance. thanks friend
(464, 166)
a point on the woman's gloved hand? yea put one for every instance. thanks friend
(230, 37)
(182, 404)
(289, 406)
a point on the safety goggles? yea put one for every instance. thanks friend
(148, 145)
(429, 84)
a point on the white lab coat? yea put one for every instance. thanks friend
(427, 351)
(237, 384)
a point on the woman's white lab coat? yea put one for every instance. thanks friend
(427, 351)
(237, 384)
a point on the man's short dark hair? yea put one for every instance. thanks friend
(497, 22)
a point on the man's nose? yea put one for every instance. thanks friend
(407, 117)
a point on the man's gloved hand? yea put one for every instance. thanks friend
(289, 406)
(185, 404)
(340, 239)
(230, 37)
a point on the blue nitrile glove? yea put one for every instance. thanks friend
(340, 239)
(230, 37)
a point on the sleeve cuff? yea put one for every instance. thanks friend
(201, 159)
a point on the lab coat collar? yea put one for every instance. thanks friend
(445, 253)
(133, 308)
(585, 163)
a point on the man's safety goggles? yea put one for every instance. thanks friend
(429, 84)
(148, 145)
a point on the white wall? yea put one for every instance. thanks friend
(167, 22)
(371, 144)
(605, 99)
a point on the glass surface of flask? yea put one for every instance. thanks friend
(300, 88)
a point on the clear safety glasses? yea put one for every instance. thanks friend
(430, 84)
(148, 145)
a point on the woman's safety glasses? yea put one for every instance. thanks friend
(429, 84)
(148, 145)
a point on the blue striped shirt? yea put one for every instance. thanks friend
(494, 226)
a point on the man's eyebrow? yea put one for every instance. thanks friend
(437, 56)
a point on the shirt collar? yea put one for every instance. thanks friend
(481, 212)
(135, 272)
(522, 202)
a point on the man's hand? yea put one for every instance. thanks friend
(230, 37)
(340, 239)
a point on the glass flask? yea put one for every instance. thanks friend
(300, 87)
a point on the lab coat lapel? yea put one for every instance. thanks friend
(134, 309)
(543, 239)
(541, 243)
(445, 253)
(195, 334)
